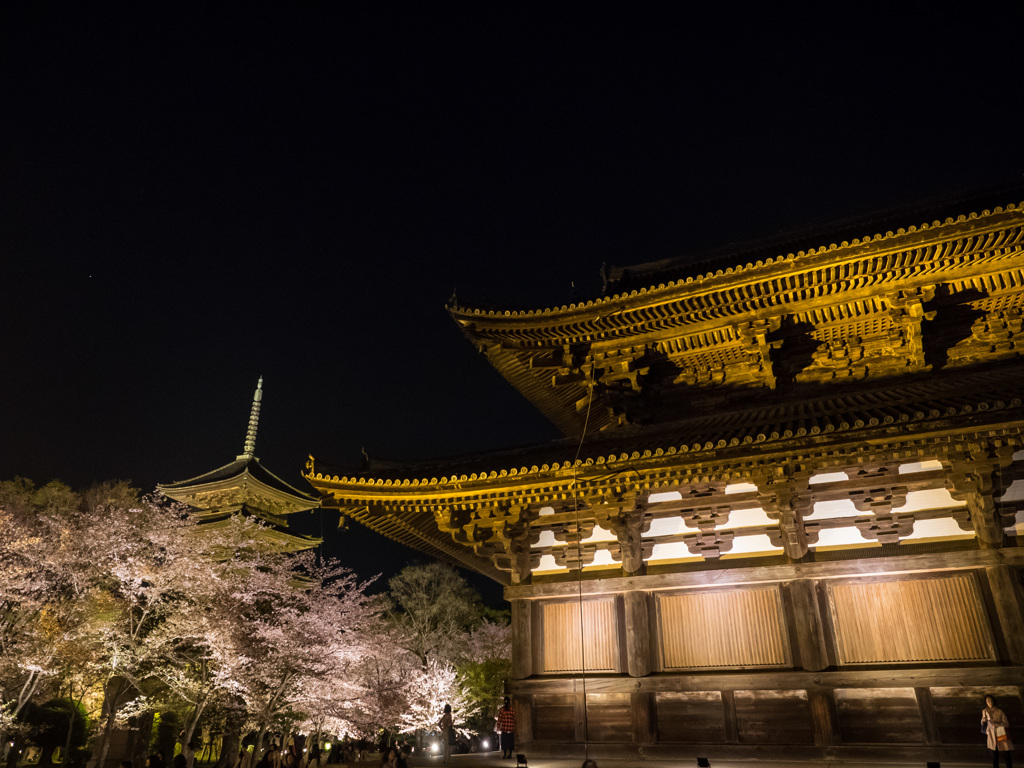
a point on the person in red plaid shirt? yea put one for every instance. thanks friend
(507, 728)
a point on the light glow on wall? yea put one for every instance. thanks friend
(920, 466)
(547, 564)
(826, 510)
(655, 498)
(667, 526)
(842, 538)
(600, 534)
(744, 518)
(546, 539)
(829, 477)
(933, 498)
(673, 550)
(941, 529)
(1014, 493)
(741, 488)
(746, 546)
(602, 559)
(546, 511)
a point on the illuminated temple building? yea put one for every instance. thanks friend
(245, 487)
(784, 518)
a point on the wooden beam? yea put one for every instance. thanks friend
(889, 677)
(942, 561)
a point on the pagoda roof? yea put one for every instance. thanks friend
(243, 467)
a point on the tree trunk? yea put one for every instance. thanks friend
(257, 751)
(189, 730)
(113, 693)
(65, 755)
(232, 739)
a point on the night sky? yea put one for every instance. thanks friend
(197, 197)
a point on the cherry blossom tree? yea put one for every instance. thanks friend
(428, 692)
(463, 657)
(304, 624)
(45, 588)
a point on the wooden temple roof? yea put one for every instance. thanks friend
(836, 311)
(899, 409)
(905, 344)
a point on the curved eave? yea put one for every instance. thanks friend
(406, 512)
(271, 537)
(984, 247)
(924, 405)
(416, 530)
(621, 313)
(238, 488)
(242, 465)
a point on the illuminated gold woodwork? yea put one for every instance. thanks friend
(791, 523)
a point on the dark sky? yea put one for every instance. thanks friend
(194, 198)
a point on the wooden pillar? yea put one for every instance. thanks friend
(522, 639)
(807, 625)
(732, 730)
(580, 702)
(644, 712)
(928, 719)
(638, 634)
(824, 717)
(523, 705)
(1006, 595)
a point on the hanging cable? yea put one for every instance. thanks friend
(579, 560)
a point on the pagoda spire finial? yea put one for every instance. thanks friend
(254, 420)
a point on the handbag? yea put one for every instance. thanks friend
(984, 726)
(1001, 733)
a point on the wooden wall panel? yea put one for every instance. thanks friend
(773, 717)
(609, 717)
(735, 628)
(554, 717)
(933, 619)
(693, 717)
(958, 711)
(879, 716)
(565, 648)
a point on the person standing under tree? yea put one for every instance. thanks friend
(993, 719)
(447, 729)
(507, 728)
